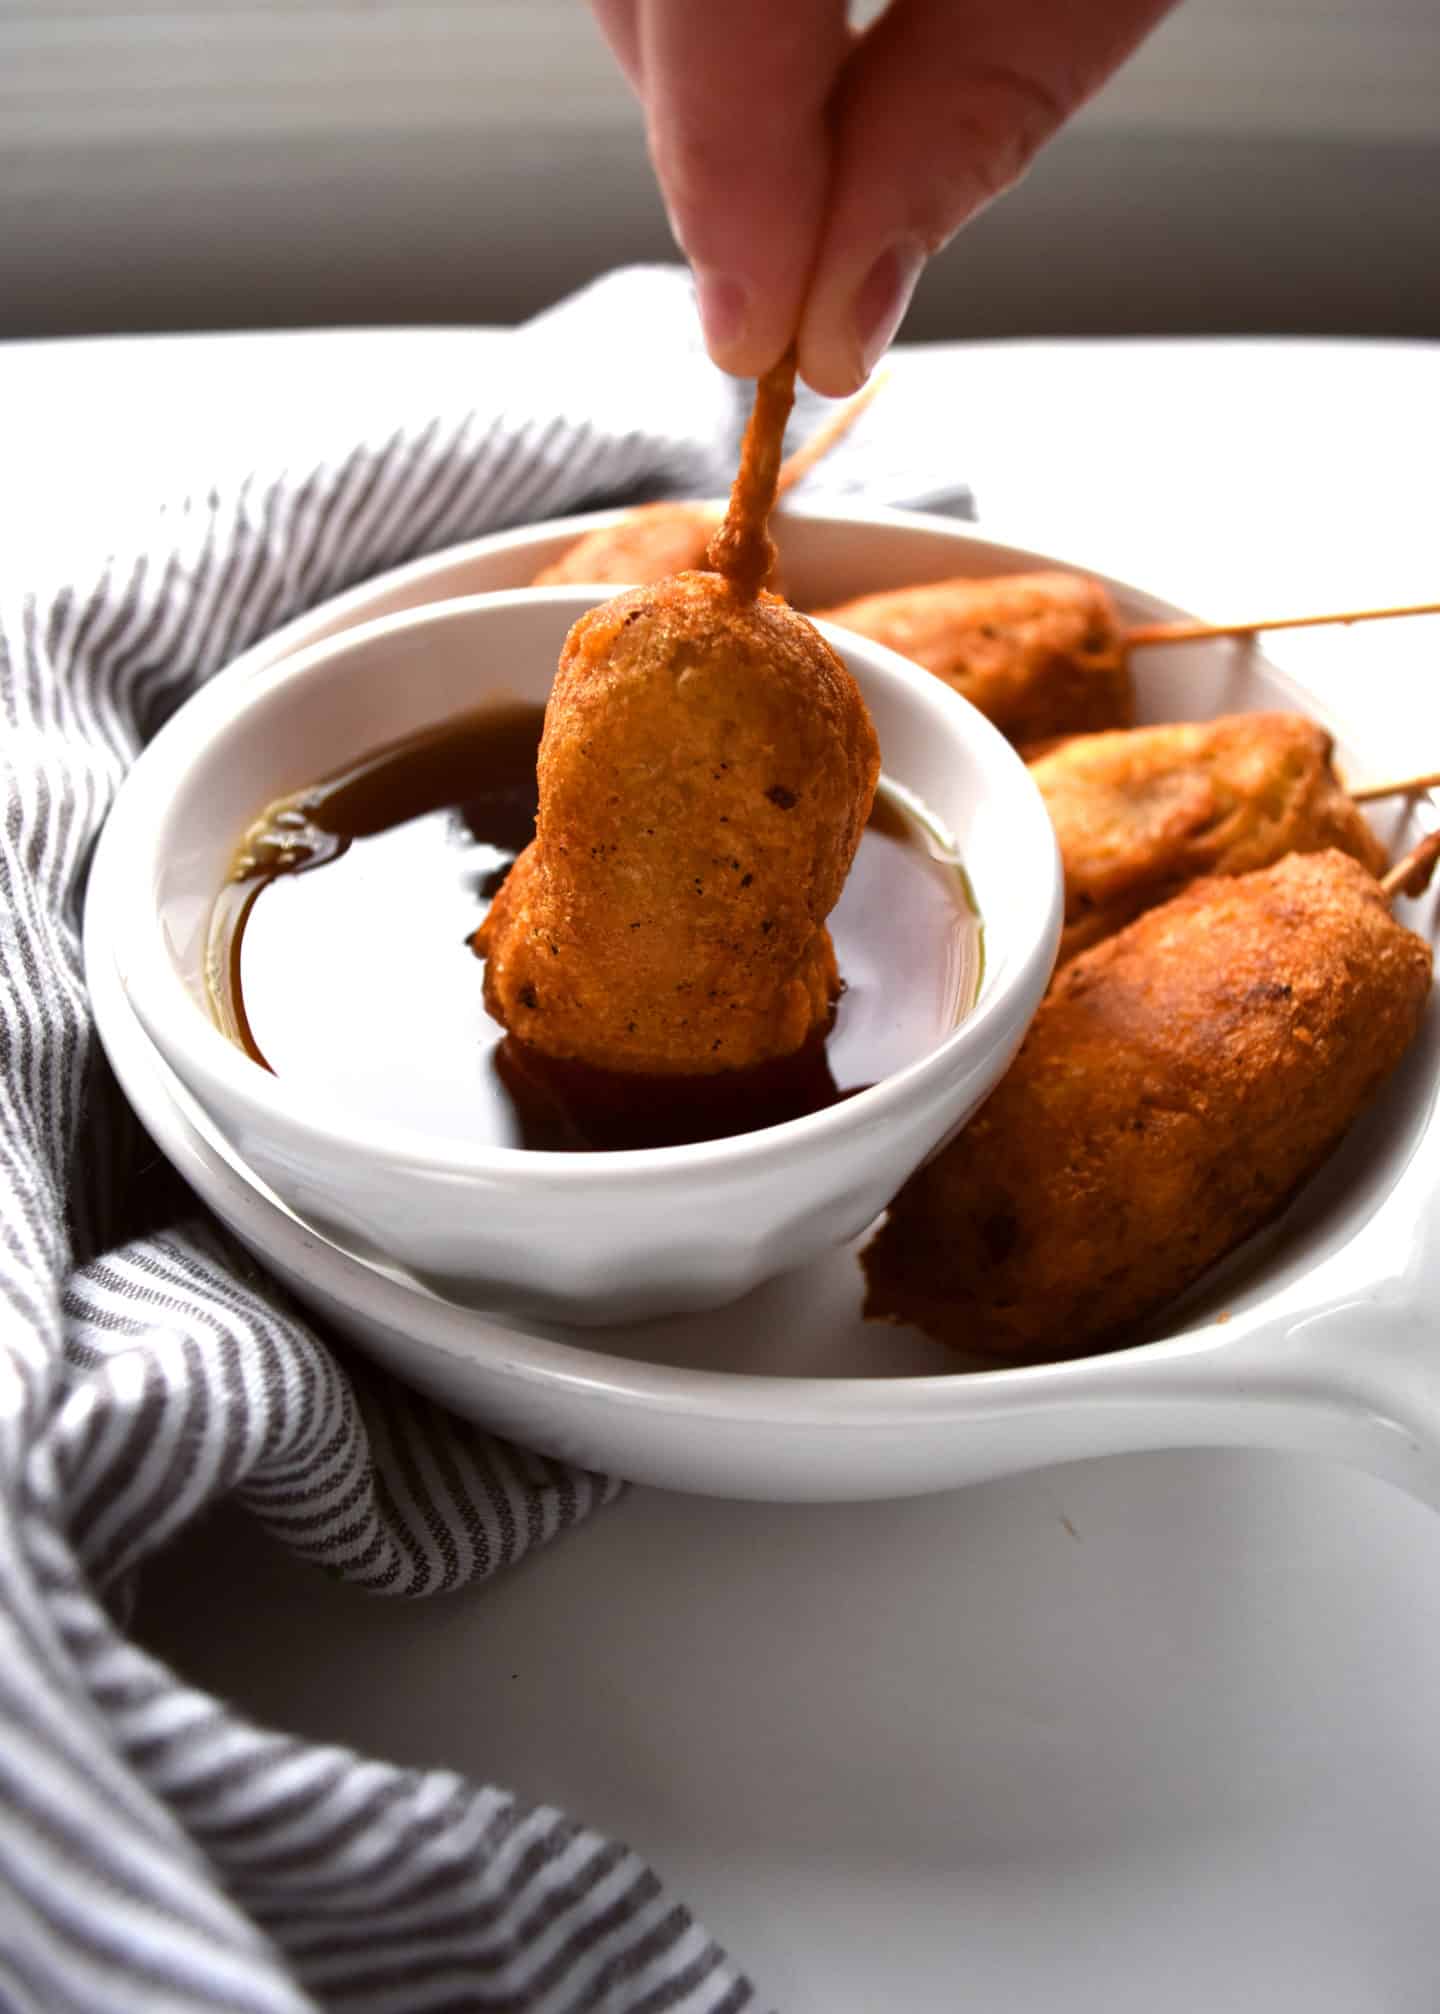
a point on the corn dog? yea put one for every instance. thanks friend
(1040, 654)
(1140, 814)
(1177, 1086)
(706, 770)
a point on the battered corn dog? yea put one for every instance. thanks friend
(706, 770)
(1140, 814)
(1177, 1086)
(1040, 654)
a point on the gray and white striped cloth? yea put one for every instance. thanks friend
(156, 1852)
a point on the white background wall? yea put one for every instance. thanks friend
(1264, 164)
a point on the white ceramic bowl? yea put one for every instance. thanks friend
(581, 1237)
(1317, 1336)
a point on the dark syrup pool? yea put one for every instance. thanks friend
(341, 958)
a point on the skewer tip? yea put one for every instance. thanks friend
(1412, 875)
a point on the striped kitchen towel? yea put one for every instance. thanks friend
(157, 1852)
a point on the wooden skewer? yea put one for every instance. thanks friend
(798, 466)
(1400, 786)
(1411, 876)
(741, 548)
(1197, 632)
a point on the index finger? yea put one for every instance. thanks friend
(941, 107)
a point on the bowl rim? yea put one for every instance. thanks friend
(1097, 561)
(177, 1023)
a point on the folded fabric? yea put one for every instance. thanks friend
(156, 1851)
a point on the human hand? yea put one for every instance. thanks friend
(809, 172)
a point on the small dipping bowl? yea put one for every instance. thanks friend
(587, 1238)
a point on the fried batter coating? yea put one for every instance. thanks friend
(1140, 814)
(706, 771)
(1040, 654)
(652, 541)
(1177, 1086)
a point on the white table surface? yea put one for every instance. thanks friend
(1154, 1732)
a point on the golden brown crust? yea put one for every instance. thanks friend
(652, 541)
(1177, 1086)
(706, 771)
(1040, 654)
(1139, 814)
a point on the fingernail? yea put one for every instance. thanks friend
(722, 303)
(676, 233)
(883, 297)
